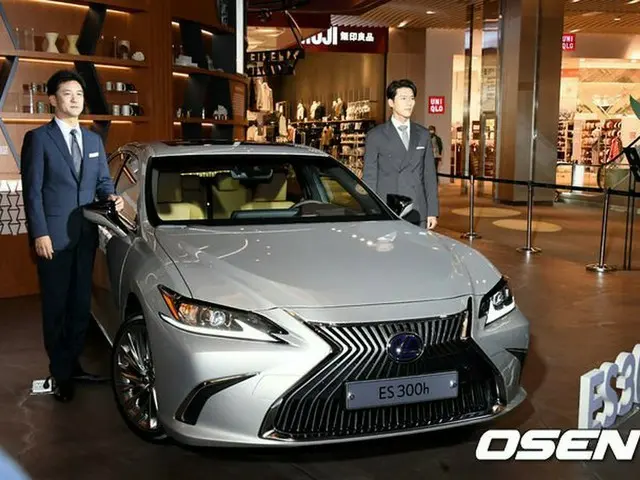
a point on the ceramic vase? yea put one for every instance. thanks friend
(51, 37)
(73, 48)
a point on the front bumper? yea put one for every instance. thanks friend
(221, 392)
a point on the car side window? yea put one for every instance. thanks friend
(128, 187)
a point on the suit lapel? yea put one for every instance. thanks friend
(85, 151)
(58, 139)
(413, 143)
(394, 137)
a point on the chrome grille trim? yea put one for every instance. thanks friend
(314, 409)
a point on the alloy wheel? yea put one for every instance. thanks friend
(134, 380)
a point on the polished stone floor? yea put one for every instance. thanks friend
(578, 320)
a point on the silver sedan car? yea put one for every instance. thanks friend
(262, 295)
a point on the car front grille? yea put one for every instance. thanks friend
(315, 408)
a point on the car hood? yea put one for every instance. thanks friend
(323, 265)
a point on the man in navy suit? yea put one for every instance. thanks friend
(64, 167)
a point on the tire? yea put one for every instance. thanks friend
(132, 380)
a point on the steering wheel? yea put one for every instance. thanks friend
(306, 202)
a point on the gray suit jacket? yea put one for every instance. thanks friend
(390, 168)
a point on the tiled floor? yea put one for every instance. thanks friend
(578, 320)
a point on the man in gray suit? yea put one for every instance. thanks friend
(399, 156)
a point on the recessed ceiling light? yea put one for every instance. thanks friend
(403, 24)
(575, 30)
(617, 19)
(430, 12)
(631, 2)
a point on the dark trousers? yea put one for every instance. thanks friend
(65, 285)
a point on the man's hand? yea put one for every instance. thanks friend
(44, 247)
(432, 222)
(119, 202)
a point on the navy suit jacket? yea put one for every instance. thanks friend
(52, 192)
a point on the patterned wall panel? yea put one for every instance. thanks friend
(12, 216)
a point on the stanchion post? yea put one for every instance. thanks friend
(471, 234)
(602, 267)
(529, 249)
(633, 217)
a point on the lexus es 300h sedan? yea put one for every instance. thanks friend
(262, 295)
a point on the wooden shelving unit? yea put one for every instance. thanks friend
(27, 59)
(210, 82)
(155, 85)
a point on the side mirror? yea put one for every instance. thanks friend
(104, 213)
(402, 206)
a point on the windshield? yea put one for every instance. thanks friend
(257, 189)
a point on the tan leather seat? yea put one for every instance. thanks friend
(169, 200)
(193, 191)
(338, 195)
(272, 195)
(228, 195)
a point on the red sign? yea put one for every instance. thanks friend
(349, 39)
(569, 42)
(436, 105)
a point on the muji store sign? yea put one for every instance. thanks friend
(349, 39)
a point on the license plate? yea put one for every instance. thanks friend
(399, 391)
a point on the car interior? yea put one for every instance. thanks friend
(218, 195)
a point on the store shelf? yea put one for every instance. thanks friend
(66, 57)
(118, 6)
(217, 28)
(195, 120)
(16, 117)
(211, 73)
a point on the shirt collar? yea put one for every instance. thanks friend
(396, 123)
(65, 127)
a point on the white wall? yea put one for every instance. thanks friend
(600, 45)
(441, 46)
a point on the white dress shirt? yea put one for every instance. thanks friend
(396, 124)
(65, 128)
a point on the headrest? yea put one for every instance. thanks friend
(191, 182)
(275, 191)
(169, 187)
(224, 182)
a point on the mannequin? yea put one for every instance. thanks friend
(259, 93)
(338, 109)
(312, 111)
(267, 98)
(282, 127)
(300, 112)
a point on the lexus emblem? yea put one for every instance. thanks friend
(405, 347)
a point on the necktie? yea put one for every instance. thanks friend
(76, 155)
(404, 134)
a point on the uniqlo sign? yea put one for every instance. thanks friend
(436, 105)
(568, 42)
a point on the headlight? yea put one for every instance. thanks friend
(207, 319)
(497, 303)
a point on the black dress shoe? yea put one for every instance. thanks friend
(64, 391)
(79, 375)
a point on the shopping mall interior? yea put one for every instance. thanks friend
(536, 103)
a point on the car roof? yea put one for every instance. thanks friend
(213, 147)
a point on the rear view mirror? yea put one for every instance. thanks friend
(252, 173)
(403, 207)
(104, 213)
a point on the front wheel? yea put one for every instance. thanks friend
(133, 380)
